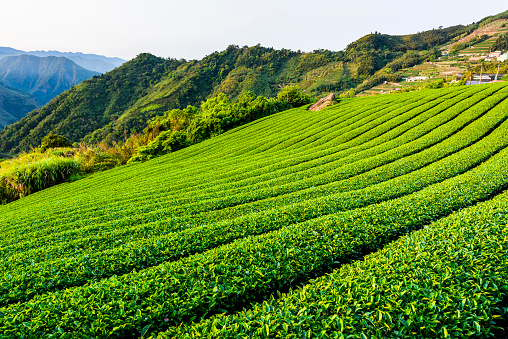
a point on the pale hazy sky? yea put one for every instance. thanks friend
(191, 29)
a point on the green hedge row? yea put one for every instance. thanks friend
(105, 241)
(448, 280)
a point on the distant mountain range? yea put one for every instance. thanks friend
(93, 62)
(29, 80)
(44, 78)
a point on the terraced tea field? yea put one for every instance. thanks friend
(378, 217)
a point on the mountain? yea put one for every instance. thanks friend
(93, 62)
(379, 217)
(7, 51)
(122, 102)
(44, 78)
(91, 105)
(125, 99)
(14, 105)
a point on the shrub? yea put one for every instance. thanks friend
(52, 141)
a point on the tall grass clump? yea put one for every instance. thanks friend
(34, 172)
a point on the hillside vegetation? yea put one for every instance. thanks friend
(126, 100)
(377, 217)
(56, 160)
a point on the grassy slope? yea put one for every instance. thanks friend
(260, 209)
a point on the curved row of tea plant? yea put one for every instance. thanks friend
(256, 211)
(287, 116)
(385, 171)
(104, 240)
(227, 276)
(90, 264)
(82, 216)
(449, 279)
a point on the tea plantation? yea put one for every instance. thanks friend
(378, 217)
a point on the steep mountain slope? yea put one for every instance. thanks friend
(14, 105)
(93, 62)
(44, 78)
(192, 242)
(232, 72)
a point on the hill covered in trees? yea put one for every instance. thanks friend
(14, 104)
(125, 101)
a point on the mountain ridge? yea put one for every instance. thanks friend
(42, 77)
(14, 104)
(93, 62)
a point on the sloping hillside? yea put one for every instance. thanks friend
(365, 63)
(399, 198)
(14, 104)
(44, 78)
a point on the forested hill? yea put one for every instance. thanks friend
(14, 104)
(121, 102)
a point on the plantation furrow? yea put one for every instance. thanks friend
(243, 173)
(448, 279)
(45, 192)
(233, 274)
(75, 271)
(351, 110)
(251, 179)
(363, 125)
(349, 171)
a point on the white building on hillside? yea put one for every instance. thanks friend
(418, 78)
(495, 54)
(503, 57)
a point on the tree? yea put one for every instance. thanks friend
(53, 140)
(293, 96)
